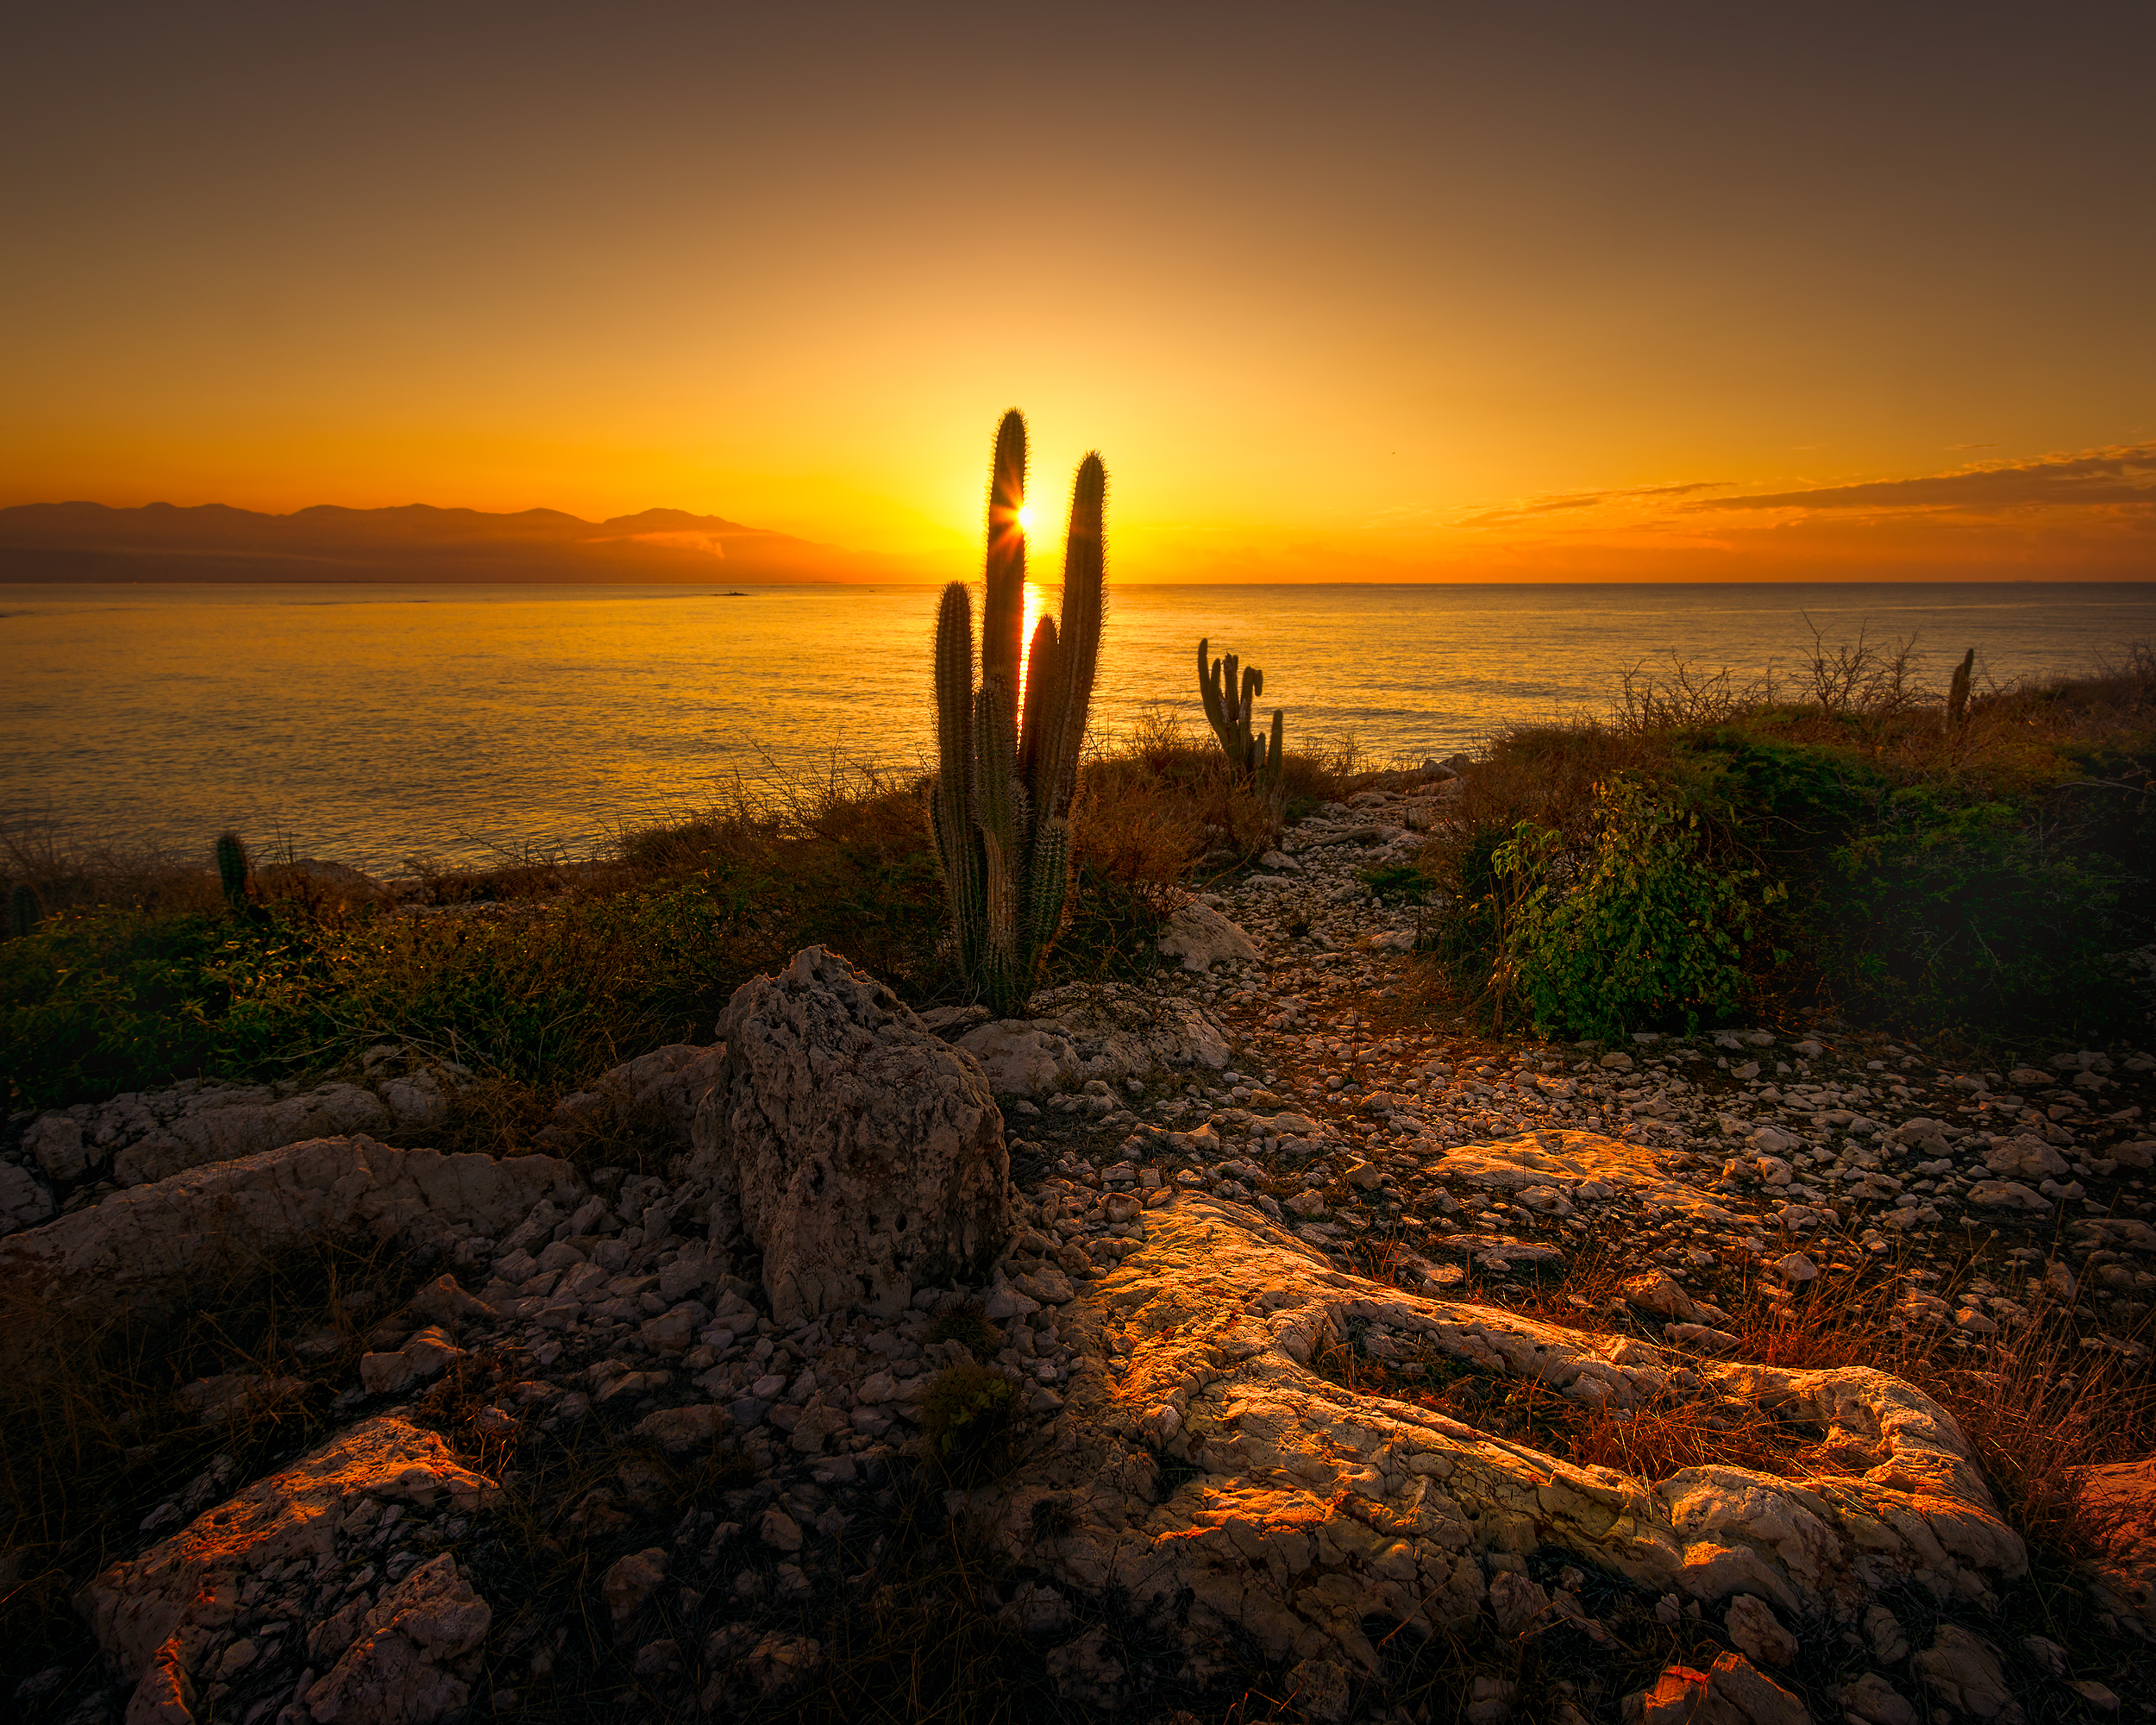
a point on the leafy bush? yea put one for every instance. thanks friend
(1959, 916)
(1645, 926)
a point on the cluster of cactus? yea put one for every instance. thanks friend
(1229, 707)
(1001, 808)
(25, 912)
(232, 868)
(1957, 692)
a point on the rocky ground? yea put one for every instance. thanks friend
(1229, 1399)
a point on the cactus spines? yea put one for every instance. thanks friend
(1230, 707)
(1000, 808)
(24, 910)
(1957, 692)
(232, 867)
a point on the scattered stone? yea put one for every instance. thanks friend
(629, 1584)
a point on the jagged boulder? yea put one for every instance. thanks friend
(861, 1154)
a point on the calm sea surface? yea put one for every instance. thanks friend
(368, 723)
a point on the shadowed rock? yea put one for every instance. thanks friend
(143, 1247)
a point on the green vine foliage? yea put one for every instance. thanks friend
(1646, 927)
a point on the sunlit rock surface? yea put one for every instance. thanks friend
(173, 1617)
(1207, 1456)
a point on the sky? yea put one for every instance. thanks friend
(1539, 291)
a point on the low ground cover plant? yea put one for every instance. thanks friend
(540, 974)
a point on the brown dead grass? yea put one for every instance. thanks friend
(93, 1434)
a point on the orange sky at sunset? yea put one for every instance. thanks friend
(1367, 292)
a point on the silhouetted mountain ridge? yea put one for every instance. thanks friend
(417, 541)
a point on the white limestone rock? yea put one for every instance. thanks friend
(1299, 1508)
(415, 1651)
(864, 1155)
(1201, 938)
(23, 1201)
(1021, 1059)
(1567, 1159)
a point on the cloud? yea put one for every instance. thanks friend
(2122, 475)
(1528, 509)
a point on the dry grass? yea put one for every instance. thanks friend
(94, 1433)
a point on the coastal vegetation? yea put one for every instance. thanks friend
(1703, 850)
(1978, 868)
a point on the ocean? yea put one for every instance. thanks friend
(373, 724)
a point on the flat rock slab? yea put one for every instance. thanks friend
(1301, 1507)
(142, 1247)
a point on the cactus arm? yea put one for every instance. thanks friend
(1958, 694)
(1040, 682)
(1077, 643)
(1209, 692)
(957, 847)
(1270, 767)
(232, 867)
(1047, 889)
(1000, 812)
(1003, 596)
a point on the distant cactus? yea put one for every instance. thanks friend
(1228, 710)
(1000, 810)
(1957, 692)
(24, 910)
(232, 867)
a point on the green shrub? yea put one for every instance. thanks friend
(1645, 926)
(969, 1418)
(1960, 918)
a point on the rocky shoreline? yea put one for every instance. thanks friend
(1182, 1223)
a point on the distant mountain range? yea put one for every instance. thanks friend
(160, 541)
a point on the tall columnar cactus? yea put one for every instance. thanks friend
(232, 867)
(1228, 710)
(1001, 807)
(1957, 692)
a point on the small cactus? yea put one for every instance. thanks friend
(232, 867)
(1228, 710)
(1957, 692)
(24, 910)
(1000, 810)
